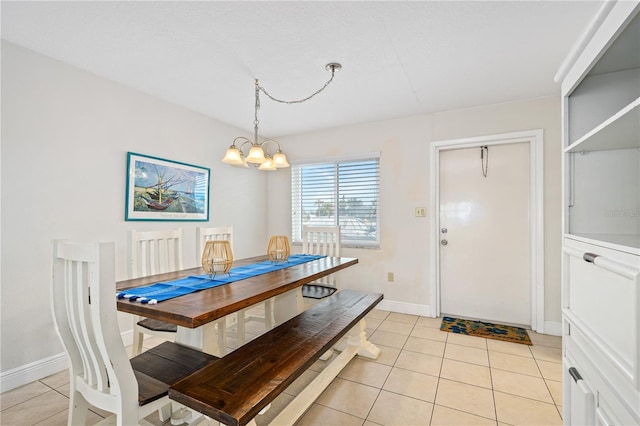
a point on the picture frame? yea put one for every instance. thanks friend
(164, 190)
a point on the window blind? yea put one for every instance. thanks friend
(344, 193)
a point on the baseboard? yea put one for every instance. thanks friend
(406, 308)
(37, 370)
(553, 328)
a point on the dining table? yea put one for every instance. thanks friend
(200, 316)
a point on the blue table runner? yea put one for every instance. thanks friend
(159, 292)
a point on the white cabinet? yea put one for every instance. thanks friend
(601, 245)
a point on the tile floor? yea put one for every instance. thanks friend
(423, 377)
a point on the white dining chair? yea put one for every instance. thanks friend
(150, 253)
(236, 327)
(323, 240)
(85, 317)
(217, 233)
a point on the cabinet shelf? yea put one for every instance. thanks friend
(620, 131)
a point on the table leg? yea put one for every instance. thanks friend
(209, 338)
(288, 305)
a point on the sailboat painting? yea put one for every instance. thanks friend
(165, 190)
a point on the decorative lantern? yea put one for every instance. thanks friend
(279, 248)
(217, 257)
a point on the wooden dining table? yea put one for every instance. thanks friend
(200, 316)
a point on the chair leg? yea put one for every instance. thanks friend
(268, 315)
(136, 347)
(221, 326)
(240, 328)
(78, 409)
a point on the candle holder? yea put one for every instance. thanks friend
(279, 249)
(217, 257)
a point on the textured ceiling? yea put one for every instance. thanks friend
(399, 58)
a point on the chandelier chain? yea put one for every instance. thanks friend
(298, 101)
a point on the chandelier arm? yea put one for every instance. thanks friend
(299, 101)
(241, 138)
(272, 141)
(244, 143)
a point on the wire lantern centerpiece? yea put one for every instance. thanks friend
(217, 257)
(258, 154)
(279, 249)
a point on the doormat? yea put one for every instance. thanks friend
(487, 330)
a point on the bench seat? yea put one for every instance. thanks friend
(161, 367)
(236, 387)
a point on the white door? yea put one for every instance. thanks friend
(484, 222)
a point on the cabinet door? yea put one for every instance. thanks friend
(581, 399)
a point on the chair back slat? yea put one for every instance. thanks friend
(154, 252)
(85, 317)
(82, 321)
(323, 240)
(218, 233)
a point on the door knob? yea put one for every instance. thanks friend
(444, 230)
(444, 242)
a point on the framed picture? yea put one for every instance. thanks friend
(165, 190)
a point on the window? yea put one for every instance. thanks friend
(344, 193)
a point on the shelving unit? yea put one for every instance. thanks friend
(621, 131)
(602, 135)
(601, 224)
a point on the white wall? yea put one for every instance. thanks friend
(65, 137)
(404, 164)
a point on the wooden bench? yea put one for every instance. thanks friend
(235, 388)
(161, 367)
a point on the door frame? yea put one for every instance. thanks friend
(535, 139)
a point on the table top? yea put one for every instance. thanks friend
(195, 309)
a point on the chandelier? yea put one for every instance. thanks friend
(258, 153)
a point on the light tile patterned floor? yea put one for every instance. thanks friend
(423, 377)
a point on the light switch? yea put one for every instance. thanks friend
(421, 211)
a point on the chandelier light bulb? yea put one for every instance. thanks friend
(268, 164)
(233, 156)
(256, 155)
(280, 160)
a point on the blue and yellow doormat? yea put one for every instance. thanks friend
(487, 330)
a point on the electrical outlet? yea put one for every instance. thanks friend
(421, 211)
(390, 277)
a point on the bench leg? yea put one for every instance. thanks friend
(185, 415)
(357, 344)
(296, 408)
(325, 356)
(358, 337)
